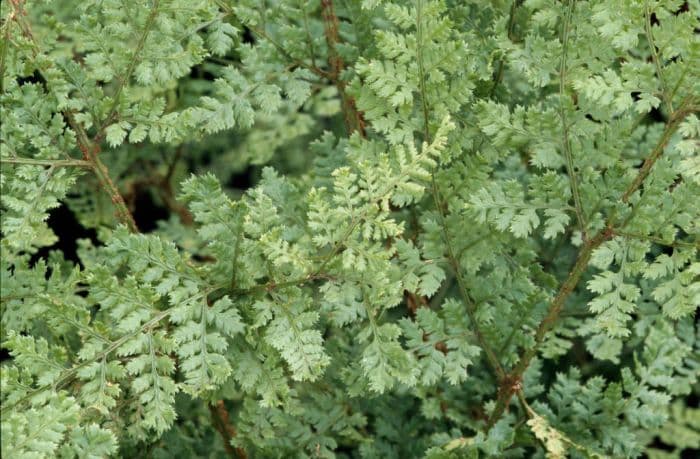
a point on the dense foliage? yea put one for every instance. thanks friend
(472, 228)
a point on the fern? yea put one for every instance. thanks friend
(420, 228)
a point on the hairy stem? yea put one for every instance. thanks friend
(91, 152)
(90, 149)
(513, 380)
(674, 122)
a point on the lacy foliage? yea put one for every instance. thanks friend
(473, 229)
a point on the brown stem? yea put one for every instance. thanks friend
(91, 152)
(673, 124)
(19, 14)
(414, 301)
(90, 149)
(168, 196)
(164, 189)
(352, 117)
(223, 425)
(513, 381)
